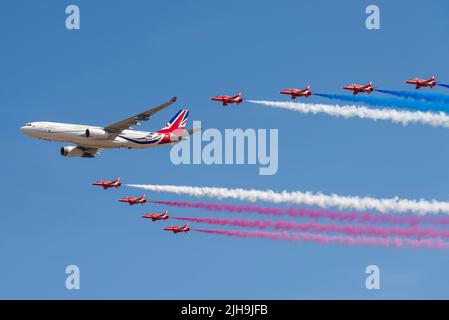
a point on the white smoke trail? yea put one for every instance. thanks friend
(307, 198)
(434, 119)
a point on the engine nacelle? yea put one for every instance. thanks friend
(71, 151)
(96, 133)
(178, 135)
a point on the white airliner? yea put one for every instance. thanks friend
(91, 140)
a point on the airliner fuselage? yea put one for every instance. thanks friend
(95, 137)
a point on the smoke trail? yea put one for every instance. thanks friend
(383, 102)
(308, 213)
(326, 239)
(352, 230)
(432, 97)
(433, 119)
(307, 198)
(443, 85)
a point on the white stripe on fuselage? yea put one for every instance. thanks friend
(75, 133)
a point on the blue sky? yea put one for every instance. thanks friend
(131, 55)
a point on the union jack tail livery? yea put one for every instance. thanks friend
(179, 121)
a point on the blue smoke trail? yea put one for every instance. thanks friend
(443, 85)
(387, 102)
(432, 97)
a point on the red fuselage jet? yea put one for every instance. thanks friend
(106, 184)
(177, 229)
(156, 216)
(228, 99)
(133, 200)
(358, 88)
(297, 92)
(419, 83)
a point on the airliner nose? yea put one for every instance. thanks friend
(26, 130)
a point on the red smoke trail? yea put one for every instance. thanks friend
(325, 239)
(356, 230)
(308, 213)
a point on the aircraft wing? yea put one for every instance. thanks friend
(89, 152)
(116, 128)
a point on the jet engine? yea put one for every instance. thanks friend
(71, 151)
(96, 133)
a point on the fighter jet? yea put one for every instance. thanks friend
(156, 216)
(133, 200)
(358, 88)
(106, 184)
(298, 92)
(177, 229)
(419, 83)
(229, 99)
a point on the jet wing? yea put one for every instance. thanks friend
(116, 128)
(89, 152)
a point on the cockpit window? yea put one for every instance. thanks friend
(28, 125)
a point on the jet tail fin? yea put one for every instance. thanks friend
(179, 121)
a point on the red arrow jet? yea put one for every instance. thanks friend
(298, 92)
(177, 229)
(133, 200)
(419, 83)
(228, 99)
(358, 88)
(156, 216)
(106, 184)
